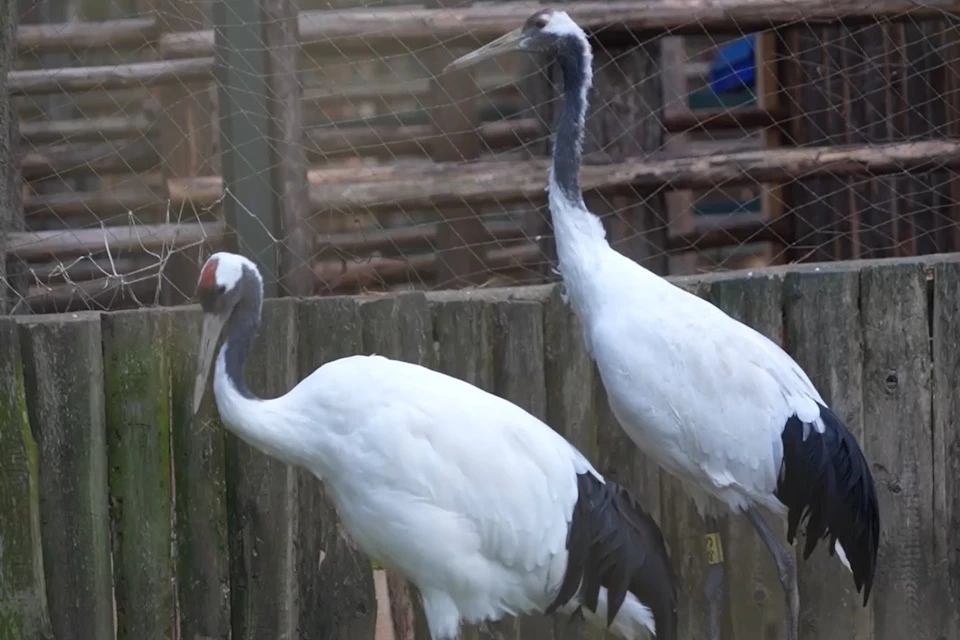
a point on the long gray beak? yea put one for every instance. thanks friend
(209, 336)
(508, 42)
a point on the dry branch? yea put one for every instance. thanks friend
(415, 27)
(29, 245)
(110, 77)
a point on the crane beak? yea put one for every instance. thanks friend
(209, 336)
(508, 42)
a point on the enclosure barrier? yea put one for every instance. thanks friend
(302, 230)
(111, 493)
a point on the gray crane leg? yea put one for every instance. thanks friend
(786, 568)
(714, 581)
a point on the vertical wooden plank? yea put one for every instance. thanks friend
(946, 436)
(251, 209)
(455, 139)
(11, 218)
(338, 600)
(906, 599)
(63, 382)
(23, 604)
(188, 141)
(262, 497)
(569, 373)
(400, 327)
(754, 603)
(137, 390)
(200, 495)
(463, 331)
(282, 48)
(519, 377)
(824, 335)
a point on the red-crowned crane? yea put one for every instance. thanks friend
(481, 505)
(714, 402)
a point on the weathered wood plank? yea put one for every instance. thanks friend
(338, 599)
(63, 383)
(946, 436)
(137, 391)
(754, 603)
(23, 604)
(825, 336)
(569, 373)
(262, 497)
(906, 600)
(203, 582)
(400, 327)
(519, 377)
(463, 331)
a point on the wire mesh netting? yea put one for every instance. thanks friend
(722, 135)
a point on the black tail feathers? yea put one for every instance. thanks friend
(615, 544)
(825, 480)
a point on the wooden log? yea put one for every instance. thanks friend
(149, 237)
(22, 598)
(289, 156)
(413, 27)
(129, 33)
(137, 391)
(63, 386)
(203, 561)
(263, 504)
(327, 143)
(405, 239)
(336, 586)
(97, 159)
(519, 377)
(898, 443)
(753, 606)
(135, 75)
(104, 204)
(400, 327)
(685, 120)
(34, 134)
(946, 437)
(569, 374)
(87, 268)
(825, 336)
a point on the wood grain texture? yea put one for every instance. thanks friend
(23, 603)
(337, 595)
(200, 494)
(63, 382)
(137, 391)
(897, 384)
(825, 336)
(262, 516)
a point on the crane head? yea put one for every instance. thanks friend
(545, 31)
(223, 283)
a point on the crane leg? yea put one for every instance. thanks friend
(786, 568)
(714, 581)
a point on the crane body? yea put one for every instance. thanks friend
(714, 402)
(488, 511)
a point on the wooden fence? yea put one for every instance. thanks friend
(388, 200)
(121, 515)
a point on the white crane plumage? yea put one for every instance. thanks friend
(481, 505)
(713, 401)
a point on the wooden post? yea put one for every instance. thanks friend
(282, 48)
(454, 115)
(11, 213)
(768, 98)
(251, 201)
(186, 121)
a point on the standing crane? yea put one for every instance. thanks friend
(716, 403)
(481, 505)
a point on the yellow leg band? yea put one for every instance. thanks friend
(714, 548)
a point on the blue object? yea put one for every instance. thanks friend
(734, 67)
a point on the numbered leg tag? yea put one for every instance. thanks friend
(714, 548)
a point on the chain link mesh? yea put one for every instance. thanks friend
(709, 143)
